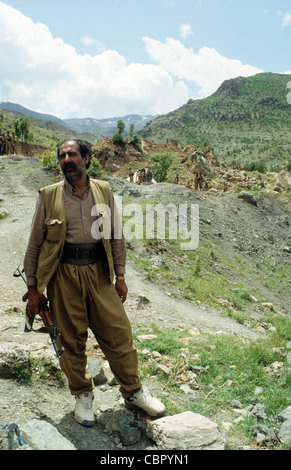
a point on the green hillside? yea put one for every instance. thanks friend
(245, 120)
(42, 132)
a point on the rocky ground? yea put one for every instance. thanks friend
(224, 218)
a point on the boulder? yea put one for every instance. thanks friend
(11, 356)
(97, 372)
(248, 197)
(41, 435)
(185, 431)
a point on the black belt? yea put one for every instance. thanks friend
(82, 254)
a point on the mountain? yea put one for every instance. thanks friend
(17, 108)
(106, 126)
(98, 127)
(245, 120)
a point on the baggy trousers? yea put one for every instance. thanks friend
(82, 297)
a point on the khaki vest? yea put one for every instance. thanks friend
(52, 247)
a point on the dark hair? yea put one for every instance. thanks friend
(83, 147)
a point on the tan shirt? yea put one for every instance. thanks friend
(79, 224)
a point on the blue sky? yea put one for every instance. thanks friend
(91, 58)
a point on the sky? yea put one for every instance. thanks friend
(110, 58)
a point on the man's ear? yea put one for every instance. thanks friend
(87, 159)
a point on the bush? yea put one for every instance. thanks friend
(95, 169)
(135, 139)
(49, 160)
(117, 138)
(161, 162)
(257, 166)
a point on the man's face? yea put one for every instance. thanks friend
(72, 164)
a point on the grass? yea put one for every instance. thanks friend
(44, 371)
(233, 368)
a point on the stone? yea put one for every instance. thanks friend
(143, 298)
(43, 436)
(285, 432)
(268, 305)
(248, 197)
(11, 355)
(185, 431)
(141, 338)
(97, 373)
(283, 179)
(285, 414)
(258, 411)
(4, 213)
(122, 422)
(163, 370)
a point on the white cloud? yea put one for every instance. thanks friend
(185, 30)
(87, 40)
(286, 19)
(207, 69)
(47, 75)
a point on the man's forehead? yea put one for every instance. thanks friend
(69, 145)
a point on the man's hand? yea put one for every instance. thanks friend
(33, 297)
(121, 288)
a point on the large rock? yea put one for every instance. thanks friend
(97, 373)
(283, 179)
(41, 435)
(285, 432)
(123, 423)
(186, 431)
(11, 356)
(248, 197)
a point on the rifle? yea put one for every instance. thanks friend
(44, 313)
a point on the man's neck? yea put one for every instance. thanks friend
(80, 185)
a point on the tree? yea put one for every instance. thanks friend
(120, 126)
(118, 137)
(161, 162)
(22, 128)
(95, 169)
(131, 128)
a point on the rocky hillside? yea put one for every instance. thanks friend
(245, 120)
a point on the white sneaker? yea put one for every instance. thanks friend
(83, 413)
(143, 400)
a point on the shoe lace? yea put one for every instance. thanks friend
(86, 401)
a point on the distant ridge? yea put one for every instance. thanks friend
(82, 125)
(17, 108)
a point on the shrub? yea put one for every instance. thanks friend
(95, 169)
(49, 160)
(161, 162)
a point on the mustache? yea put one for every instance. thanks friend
(67, 166)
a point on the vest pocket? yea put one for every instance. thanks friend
(54, 229)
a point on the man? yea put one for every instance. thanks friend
(70, 253)
(131, 175)
(8, 143)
